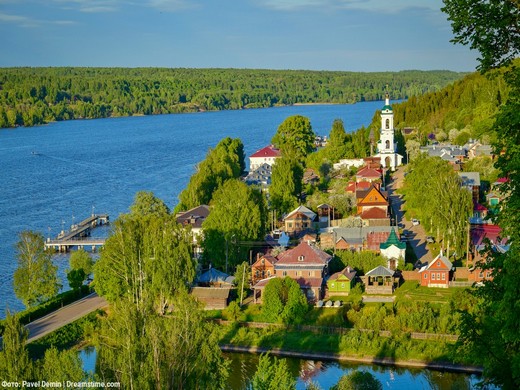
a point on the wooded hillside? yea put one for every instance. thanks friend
(31, 96)
(468, 105)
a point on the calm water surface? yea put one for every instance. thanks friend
(327, 373)
(55, 175)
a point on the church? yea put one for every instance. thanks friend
(387, 147)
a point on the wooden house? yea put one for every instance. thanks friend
(437, 273)
(341, 282)
(213, 298)
(299, 220)
(306, 264)
(263, 268)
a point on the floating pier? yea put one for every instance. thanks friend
(79, 235)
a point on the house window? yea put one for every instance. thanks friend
(433, 276)
(342, 285)
(301, 258)
(481, 274)
(438, 276)
(332, 285)
(438, 264)
(284, 273)
(443, 276)
(310, 273)
(289, 224)
(263, 261)
(268, 273)
(387, 124)
(425, 276)
(488, 274)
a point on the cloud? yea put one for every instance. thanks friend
(24, 21)
(172, 5)
(380, 6)
(92, 6)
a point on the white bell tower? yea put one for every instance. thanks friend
(386, 146)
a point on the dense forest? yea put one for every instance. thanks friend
(32, 96)
(467, 105)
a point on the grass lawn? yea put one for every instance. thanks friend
(413, 291)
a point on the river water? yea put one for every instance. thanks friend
(328, 373)
(55, 175)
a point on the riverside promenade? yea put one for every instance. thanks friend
(64, 316)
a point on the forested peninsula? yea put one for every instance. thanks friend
(33, 96)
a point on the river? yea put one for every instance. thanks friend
(55, 175)
(328, 373)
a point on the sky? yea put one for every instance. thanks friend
(347, 35)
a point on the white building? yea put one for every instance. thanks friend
(387, 147)
(267, 155)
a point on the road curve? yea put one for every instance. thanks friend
(64, 316)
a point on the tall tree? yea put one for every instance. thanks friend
(295, 137)
(226, 161)
(145, 260)
(15, 364)
(284, 301)
(272, 374)
(61, 366)
(146, 203)
(491, 27)
(490, 332)
(35, 279)
(80, 266)
(286, 184)
(238, 216)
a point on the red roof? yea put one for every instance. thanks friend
(478, 207)
(352, 186)
(309, 282)
(374, 239)
(374, 213)
(502, 180)
(268, 151)
(481, 232)
(368, 172)
(303, 254)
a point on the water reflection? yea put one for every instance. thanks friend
(328, 373)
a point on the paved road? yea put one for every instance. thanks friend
(64, 316)
(418, 235)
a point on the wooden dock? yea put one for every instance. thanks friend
(79, 235)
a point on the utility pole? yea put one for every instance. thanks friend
(243, 277)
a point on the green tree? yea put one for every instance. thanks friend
(35, 279)
(272, 374)
(283, 301)
(238, 217)
(146, 203)
(490, 27)
(15, 364)
(76, 277)
(286, 184)
(81, 259)
(490, 331)
(295, 137)
(61, 366)
(226, 161)
(242, 280)
(146, 260)
(358, 380)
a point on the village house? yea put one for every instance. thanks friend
(480, 237)
(373, 204)
(437, 273)
(299, 220)
(355, 238)
(263, 268)
(306, 264)
(341, 282)
(261, 176)
(194, 219)
(453, 154)
(267, 155)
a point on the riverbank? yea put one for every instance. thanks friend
(438, 366)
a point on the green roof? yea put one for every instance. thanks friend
(392, 240)
(387, 107)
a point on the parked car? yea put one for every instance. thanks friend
(430, 239)
(415, 222)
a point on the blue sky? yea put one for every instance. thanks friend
(351, 35)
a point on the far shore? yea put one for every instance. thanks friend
(438, 366)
